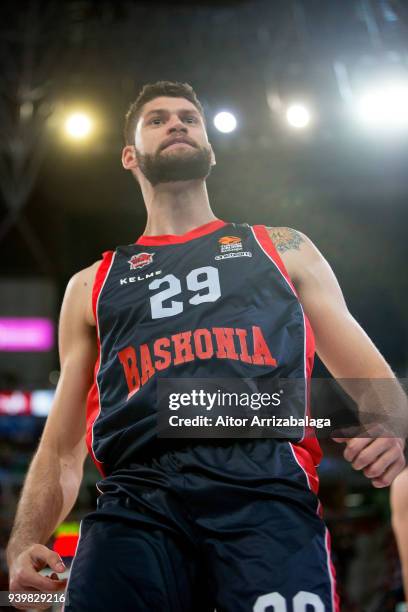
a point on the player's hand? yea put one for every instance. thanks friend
(25, 577)
(381, 459)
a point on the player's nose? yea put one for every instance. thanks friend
(176, 125)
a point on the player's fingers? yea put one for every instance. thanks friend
(371, 452)
(42, 556)
(380, 465)
(354, 446)
(27, 578)
(388, 476)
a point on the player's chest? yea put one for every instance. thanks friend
(152, 284)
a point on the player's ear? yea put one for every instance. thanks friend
(129, 161)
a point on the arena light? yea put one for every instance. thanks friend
(225, 122)
(26, 334)
(37, 403)
(78, 126)
(298, 116)
(384, 106)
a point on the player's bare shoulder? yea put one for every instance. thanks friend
(285, 239)
(82, 283)
(291, 246)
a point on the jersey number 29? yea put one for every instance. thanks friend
(206, 290)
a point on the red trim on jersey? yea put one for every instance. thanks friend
(310, 441)
(92, 411)
(267, 243)
(93, 405)
(100, 279)
(305, 461)
(332, 571)
(201, 230)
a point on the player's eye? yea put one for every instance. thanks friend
(191, 119)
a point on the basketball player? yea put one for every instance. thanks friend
(232, 524)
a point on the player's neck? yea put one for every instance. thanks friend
(176, 208)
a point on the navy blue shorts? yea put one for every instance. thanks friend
(233, 527)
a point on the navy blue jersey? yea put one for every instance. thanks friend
(214, 302)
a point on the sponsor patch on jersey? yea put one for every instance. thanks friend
(135, 279)
(229, 255)
(140, 260)
(229, 239)
(229, 244)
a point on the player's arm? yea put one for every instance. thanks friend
(399, 510)
(55, 474)
(343, 346)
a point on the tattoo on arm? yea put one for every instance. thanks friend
(285, 238)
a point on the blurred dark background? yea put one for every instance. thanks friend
(342, 182)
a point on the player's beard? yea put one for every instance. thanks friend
(181, 165)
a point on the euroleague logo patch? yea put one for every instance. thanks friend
(140, 260)
(229, 240)
(231, 246)
(230, 243)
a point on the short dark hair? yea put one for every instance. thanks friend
(150, 91)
